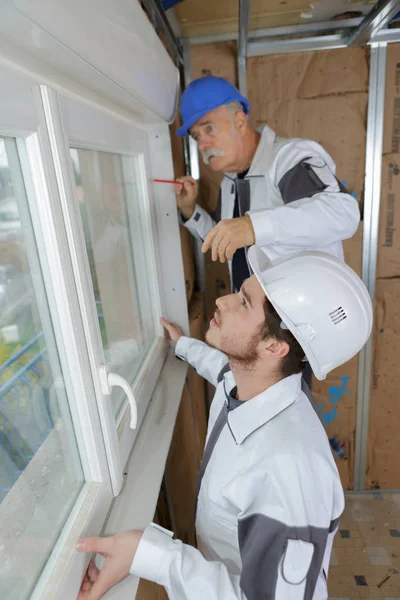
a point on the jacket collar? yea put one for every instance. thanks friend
(258, 164)
(255, 413)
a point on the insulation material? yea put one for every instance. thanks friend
(320, 96)
(384, 440)
(306, 75)
(214, 59)
(389, 218)
(335, 122)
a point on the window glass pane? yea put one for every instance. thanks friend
(40, 470)
(113, 218)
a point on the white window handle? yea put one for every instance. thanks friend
(109, 380)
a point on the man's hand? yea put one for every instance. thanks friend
(229, 235)
(173, 330)
(119, 550)
(186, 195)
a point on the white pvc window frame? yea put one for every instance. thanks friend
(71, 123)
(32, 114)
(21, 117)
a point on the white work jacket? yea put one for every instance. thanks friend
(296, 202)
(269, 499)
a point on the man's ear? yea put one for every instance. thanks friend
(274, 349)
(240, 120)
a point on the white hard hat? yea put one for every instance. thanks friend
(323, 302)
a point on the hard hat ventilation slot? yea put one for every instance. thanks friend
(338, 315)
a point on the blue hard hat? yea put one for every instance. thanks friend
(204, 95)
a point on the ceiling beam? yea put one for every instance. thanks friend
(379, 16)
(323, 42)
(275, 32)
(386, 36)
(306, 44)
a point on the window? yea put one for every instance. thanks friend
(111, 225)
(89, 260)
(108, 190)
(41, 473)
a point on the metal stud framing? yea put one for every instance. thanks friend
(379, 16)
(372, 197)
(244, 21)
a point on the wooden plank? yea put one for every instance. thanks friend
(178, 155)
(181, 471)
(188, 440)
(148, 590)
(196, 384)
(208, 17)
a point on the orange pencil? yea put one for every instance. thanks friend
(170, 181)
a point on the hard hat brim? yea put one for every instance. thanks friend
(184, 128)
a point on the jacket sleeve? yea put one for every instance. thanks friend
(282, 532)
(207, 361)
(182, 569)
(200, 223)
(317, 209)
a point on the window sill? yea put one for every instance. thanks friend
(134, 508)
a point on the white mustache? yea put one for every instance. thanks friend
(209, 153)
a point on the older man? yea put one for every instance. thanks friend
(281, 194)
(269, 494)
